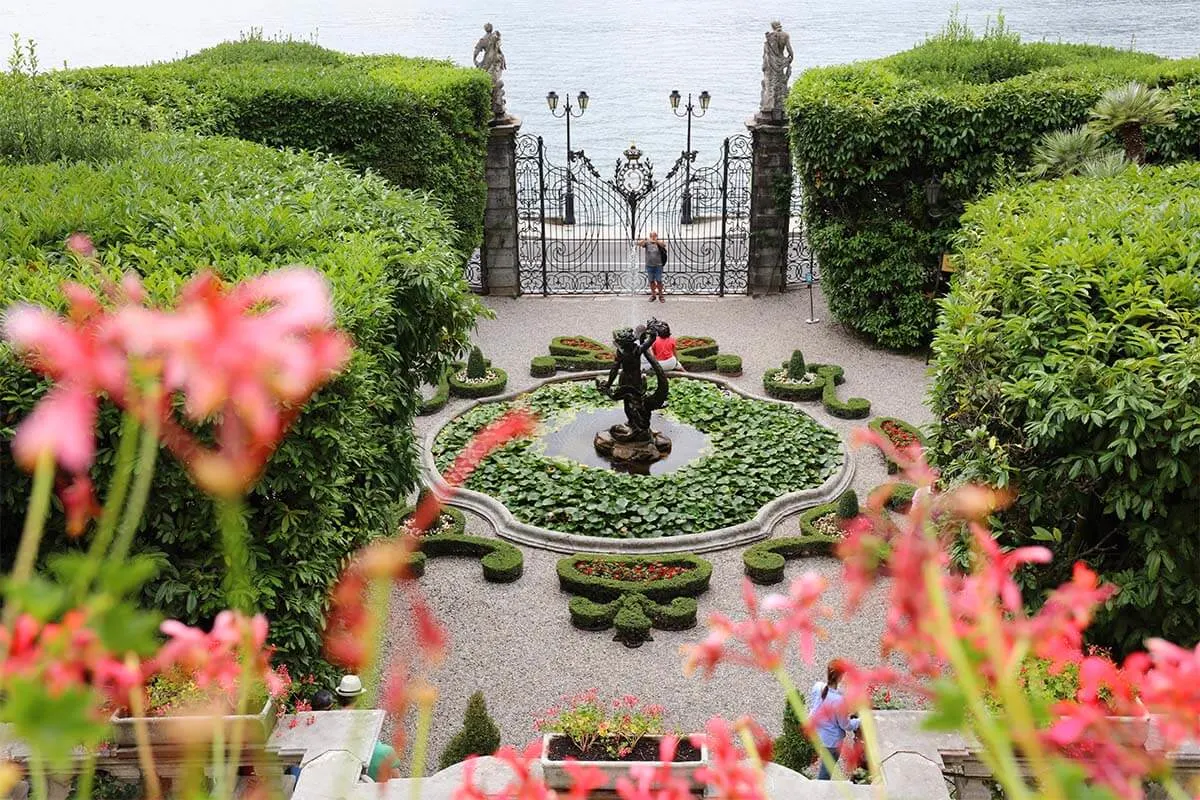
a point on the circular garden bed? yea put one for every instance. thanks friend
(759, 452)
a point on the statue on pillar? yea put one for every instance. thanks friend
(777, 71)
(490, 58)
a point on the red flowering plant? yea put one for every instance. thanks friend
(962, 638)
(614, 727)
(634, 572)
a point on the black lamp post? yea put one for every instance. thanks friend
(568, 112)
(689, 154)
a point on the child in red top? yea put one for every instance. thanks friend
(664, 349)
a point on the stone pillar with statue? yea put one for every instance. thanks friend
(499, 261)
(771, 179)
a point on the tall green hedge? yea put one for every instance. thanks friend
(866, 138)
(421, 124)
(1068, 368)
(176, 204)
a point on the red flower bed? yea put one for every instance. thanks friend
(635, 572)
(582, 343)
(684, 342)
(899, 436)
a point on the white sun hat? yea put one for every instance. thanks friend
(351, 686)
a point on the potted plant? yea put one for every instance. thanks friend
(610, 737)
(174, 701)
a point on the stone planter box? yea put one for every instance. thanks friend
(255, 728)
(555, 775)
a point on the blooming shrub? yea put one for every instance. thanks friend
(631, 571)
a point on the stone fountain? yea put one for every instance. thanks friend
(633, 446)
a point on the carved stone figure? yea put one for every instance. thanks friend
(634, 446)
(777, 71)
(490, 58)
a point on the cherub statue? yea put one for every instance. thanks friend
(633, 346)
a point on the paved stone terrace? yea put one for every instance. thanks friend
(515, 641)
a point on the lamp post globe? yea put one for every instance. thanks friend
(688, 154)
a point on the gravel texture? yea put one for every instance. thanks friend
(515, 641)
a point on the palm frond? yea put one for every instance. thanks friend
(1133, 104)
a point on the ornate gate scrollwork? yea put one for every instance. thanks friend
(596, 254)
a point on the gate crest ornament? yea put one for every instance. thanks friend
(633, 177)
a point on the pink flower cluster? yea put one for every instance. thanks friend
(245, 358)
(65, 655)
(215, 657)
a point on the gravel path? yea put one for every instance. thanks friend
(515, 641)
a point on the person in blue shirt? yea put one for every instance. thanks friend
(827, 707)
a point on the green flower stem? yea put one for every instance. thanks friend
(997, 753)
(117, 491)
(31, 535)
(1016, 708)
(801, 712)
(237, 739)
(83, 790)
(232, 519)
(37, 778)
(1174, 790)
(870, 735)
(141, 735)
(379, 597)
(220, 777)
(421, 743)
(143, 474)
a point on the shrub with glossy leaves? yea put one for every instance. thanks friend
(875, 142)
(178, 204)
(419, 123)
(1068, 368)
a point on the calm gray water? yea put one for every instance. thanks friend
(627, 55)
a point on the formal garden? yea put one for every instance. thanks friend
(262, 442)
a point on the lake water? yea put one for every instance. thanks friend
(627, 55)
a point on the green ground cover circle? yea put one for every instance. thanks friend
(759, 451)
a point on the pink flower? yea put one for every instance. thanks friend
(655, 782)
(81, 245)
(79, 500)
(728, 773)
(214, 658)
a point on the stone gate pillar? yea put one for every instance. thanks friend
(770, 205)
(498, 253)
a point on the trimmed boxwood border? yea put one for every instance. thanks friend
(542, 367)
(764, 562)
(824, 386)
(475, 390)
(690, 584)
(705, 350)
(439, 399)
(501, 561)
(877, 426)
(633, 615)
(729, 365)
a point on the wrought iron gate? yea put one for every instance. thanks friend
(800, 267)
(577, 228)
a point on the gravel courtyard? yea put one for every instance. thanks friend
(515, 641)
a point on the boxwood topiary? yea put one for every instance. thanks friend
(175, 204)
(476, 369)
(479, 736)
(688, 584)
(501, 562)
(729, 365)
(795, 366)
(542, 367)
(437, 401)
(823, 374)
(901, 497)
(698, 347)
(793, 748)
(852, 408)
(633, 614)
(847, 505)
(764, 562)
(494, 385)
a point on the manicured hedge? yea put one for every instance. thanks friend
(1066, 363)
(690, 584)
(421, 124)
(177, 204)
(826, 379)
(729, 365)
(633, 615)
(495, 385)
(764, 562)
(542, 367)
(867, 137)
(501, 562)
(440, 397)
